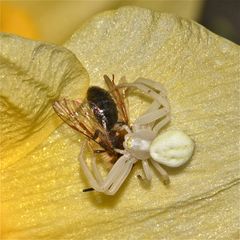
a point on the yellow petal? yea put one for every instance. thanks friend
(201, 73)
(33, 74)
(41, 193)
(53, 25)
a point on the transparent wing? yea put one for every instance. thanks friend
(118, 96)
(80, 117)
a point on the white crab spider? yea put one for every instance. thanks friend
(143, 143)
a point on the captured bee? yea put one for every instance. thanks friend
(101, 117)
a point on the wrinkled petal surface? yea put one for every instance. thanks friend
(42, 195)
(32, 76)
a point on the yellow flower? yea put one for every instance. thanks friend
(17, 20)
(55, 21)
(41, 180)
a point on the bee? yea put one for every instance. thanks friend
(101, 117)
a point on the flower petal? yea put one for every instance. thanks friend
(200, 72)
(33, 74)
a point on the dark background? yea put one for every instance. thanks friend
(222, 17)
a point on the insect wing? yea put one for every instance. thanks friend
(80, 117)
(118, 96)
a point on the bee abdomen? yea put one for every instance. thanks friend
(104, 108)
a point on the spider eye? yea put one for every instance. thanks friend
(172, 148)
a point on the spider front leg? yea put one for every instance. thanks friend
(96, 184)
(152, 116)
(117, 175)
(153, 84)
(149, 90)
(159, 110)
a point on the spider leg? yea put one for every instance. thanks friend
(151, 116)
(93, 182)
(159, 109)
(153, 84)
(120, 179)
(95, 168)
(158, 96)
(161, 124)
(115, 171)
(155, 113)
(154, 106)
(161, 171)
(147, 170)
(118, 171)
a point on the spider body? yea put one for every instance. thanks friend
(137, 141)
(141, 141)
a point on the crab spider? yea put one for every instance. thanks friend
(143, 143)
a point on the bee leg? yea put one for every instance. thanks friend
(99, 151)
(88, 189)
(96, 134)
